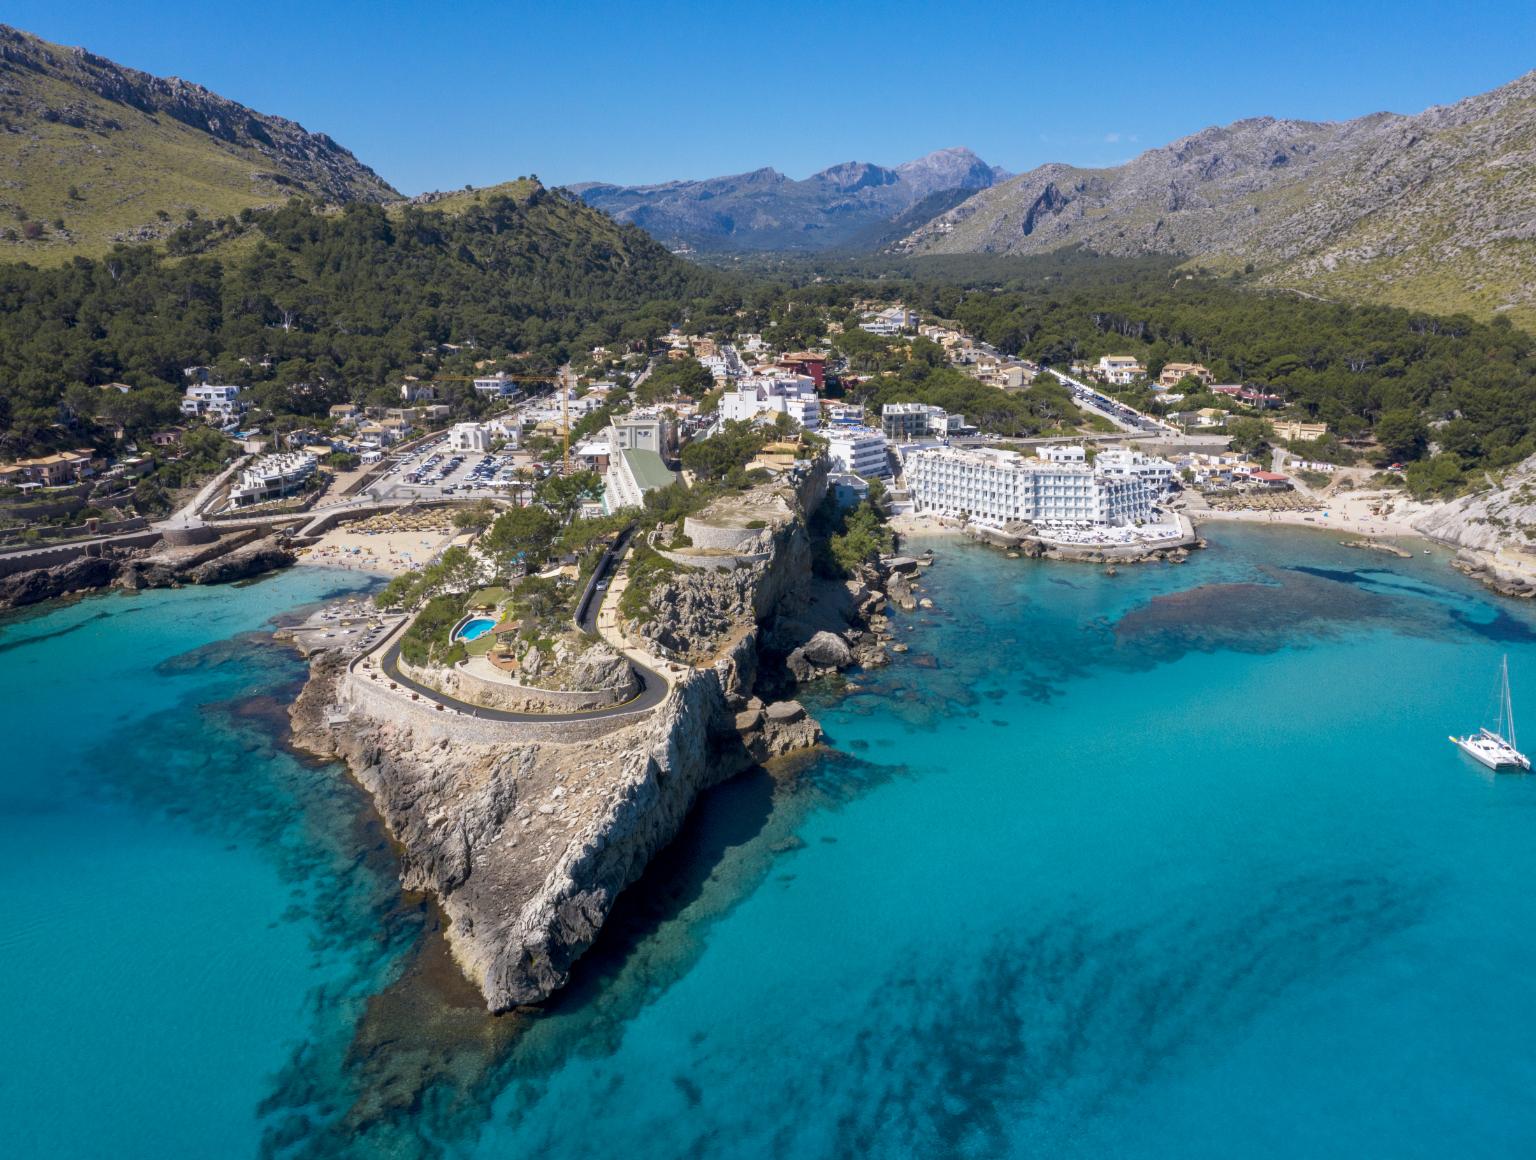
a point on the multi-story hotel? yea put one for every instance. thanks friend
(859, 450)
(1003, 487)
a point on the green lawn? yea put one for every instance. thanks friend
(487, 596)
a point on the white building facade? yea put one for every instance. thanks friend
(770, 395)
(858, 450)
(1120, 370)
(272, 477)
(1003, 487)
(495, 385)
(1156, 473)
(469, 437)
(221, 403)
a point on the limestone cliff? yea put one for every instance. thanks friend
(526, 831)
(1495, 531)
(527, 834)
(230, 558)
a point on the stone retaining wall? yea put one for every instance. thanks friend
(723, 563)
(724, 537)
(376, 700)
(25, 561)
(514, 698)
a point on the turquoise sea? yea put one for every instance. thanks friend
(1175, 863)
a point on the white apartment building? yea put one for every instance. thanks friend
(858, 450)
(469, 437)
(904, 422)
(1156, 473)
(1120, 370)
(1003, 487)
(214, 403)
(792, 395)
(1064, 453)
(272, 477)
(498, 384)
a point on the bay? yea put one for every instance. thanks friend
(1171, 863)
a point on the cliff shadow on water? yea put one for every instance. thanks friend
(427, 1065)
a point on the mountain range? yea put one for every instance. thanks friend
(839, 207)
(1436, 210)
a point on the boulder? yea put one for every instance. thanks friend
(785, 711)
(828, 650)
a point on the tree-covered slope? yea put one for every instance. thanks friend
(116, 154)
(313, 306)
(1433, 211)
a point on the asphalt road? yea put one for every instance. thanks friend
(653, 686)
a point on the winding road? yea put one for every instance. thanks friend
(654, 687)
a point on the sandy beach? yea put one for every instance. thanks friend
(1349, 513)
(382, 553)
(909, 524)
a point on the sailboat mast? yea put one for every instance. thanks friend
(1507, 709)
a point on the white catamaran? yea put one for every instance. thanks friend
(1495, 748)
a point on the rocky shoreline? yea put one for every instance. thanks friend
(235, 557)
(526, 832)
(1022, 544)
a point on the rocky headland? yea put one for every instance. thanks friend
(1493, 530)
(526, 831)
(235, 556)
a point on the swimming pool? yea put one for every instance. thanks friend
(475, 629)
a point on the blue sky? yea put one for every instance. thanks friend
(435, 96)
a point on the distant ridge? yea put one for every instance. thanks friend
(765, 210)
(108, 150)
(1436, 211)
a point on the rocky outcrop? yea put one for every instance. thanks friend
(134, 570)
(572, 664)
(266, 555)
(1494, 531)
(1486, 570)
(1501, 516)
(526, 832)
(526, 839)
(39, 584)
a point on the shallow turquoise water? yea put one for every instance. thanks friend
(1175, 863)
(187, 904)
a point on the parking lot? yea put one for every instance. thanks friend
(435, 470)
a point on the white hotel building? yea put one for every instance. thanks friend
(770, 395)
(859, 450)
(1003, 487)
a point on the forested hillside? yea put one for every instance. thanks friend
(314, 307)
(1471, 384)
